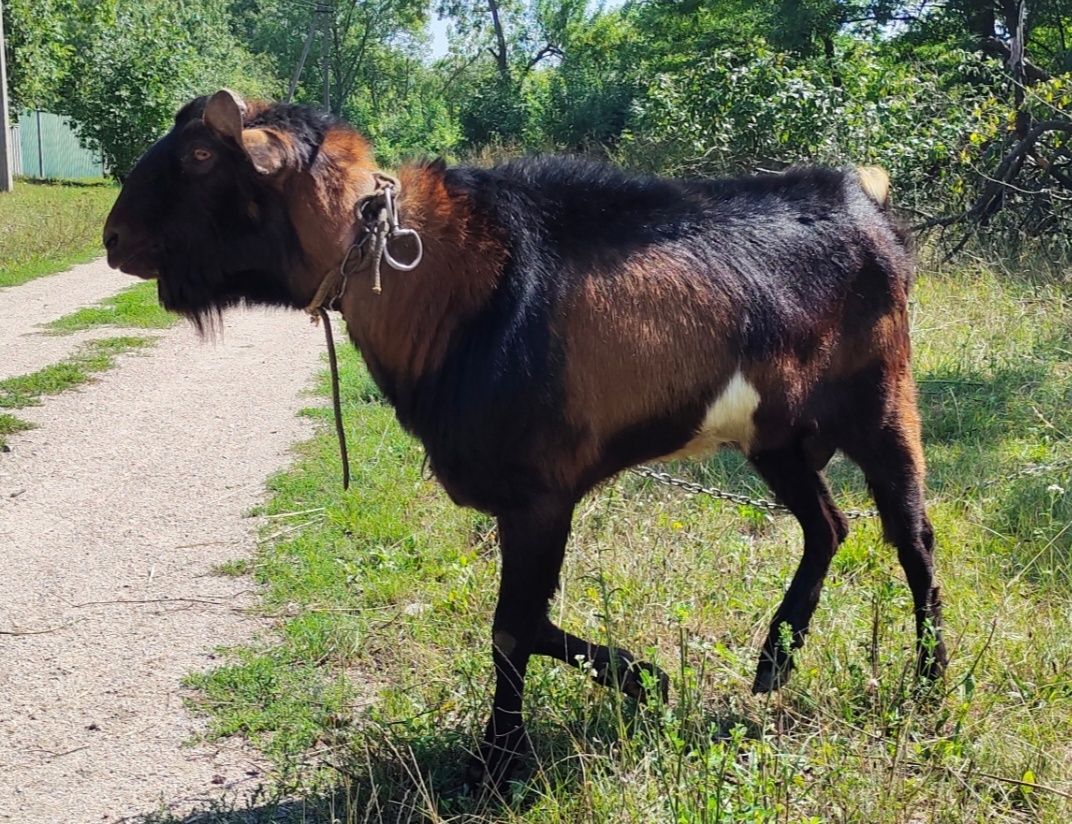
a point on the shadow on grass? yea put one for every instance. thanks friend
(390, 776)
(393, 778)
(68, 183)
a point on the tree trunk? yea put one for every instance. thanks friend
(831, 60)
(500, 38)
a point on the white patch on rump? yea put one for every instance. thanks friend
(728, 420)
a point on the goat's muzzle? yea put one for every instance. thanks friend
(122, 255)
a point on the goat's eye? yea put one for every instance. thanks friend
(201, 155)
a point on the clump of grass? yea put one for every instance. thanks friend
(47, 226)
(9, 425)
(380, 675)
(136, 307)
(95, 356)
(234, 568)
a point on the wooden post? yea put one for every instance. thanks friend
(7, 180)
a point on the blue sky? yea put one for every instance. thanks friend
(437, 28)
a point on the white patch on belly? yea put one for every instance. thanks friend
(728, 420)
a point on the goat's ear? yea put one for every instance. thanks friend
(267, 149)
(223, 114)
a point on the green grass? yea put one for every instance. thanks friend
(379, 676)
(136, 308)
(46, 227)
(95, 356)
(9, 425)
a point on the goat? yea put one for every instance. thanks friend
(569, 320)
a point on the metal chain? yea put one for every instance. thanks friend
(733, 497)
(1028, 471)
(772, 506)
(699, 489)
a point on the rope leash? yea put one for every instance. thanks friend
(741, 500)
(377, 215)
(664, 478)
(336, 403)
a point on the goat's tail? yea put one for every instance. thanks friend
(876, 184)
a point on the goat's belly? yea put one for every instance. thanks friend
(729, 421)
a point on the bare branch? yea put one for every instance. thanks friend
(999, 48)
(1006, 171)
(454, 75)
(547, 50)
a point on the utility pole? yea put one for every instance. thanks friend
(294, 78)
(322, 13)
(7, 182)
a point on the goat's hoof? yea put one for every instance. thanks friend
(641, 678)
(495, 764)
(930, 671)
(772, 672)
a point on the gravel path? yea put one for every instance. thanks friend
(22, 308)
(112, 516)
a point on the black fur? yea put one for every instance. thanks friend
(783, 249)
(209, 249)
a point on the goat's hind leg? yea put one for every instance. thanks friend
(610, 666)
(802, 489)
(892, 461)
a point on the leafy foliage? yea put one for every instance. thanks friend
(725, 115)
(119, 69)
(133, 73)
(686, 86)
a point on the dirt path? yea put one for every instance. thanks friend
(22, 308)
(113, 515)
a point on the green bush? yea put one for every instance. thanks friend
(723, 114)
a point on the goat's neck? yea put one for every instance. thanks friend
(405, 330)
(321, 202)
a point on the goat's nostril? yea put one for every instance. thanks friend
(111, 240)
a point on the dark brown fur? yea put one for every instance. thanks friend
(568, 321)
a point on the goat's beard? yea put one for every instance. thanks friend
(201, 286)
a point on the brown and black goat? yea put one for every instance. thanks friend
(569, 320)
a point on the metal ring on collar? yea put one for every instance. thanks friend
(395, 264)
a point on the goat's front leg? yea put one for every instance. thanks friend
(610, 666)
(533, 542)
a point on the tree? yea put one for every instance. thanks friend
(132, 69)
(44, 37)
(364, 33)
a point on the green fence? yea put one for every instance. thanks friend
(48, 148)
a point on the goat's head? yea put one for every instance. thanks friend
(237, 204)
